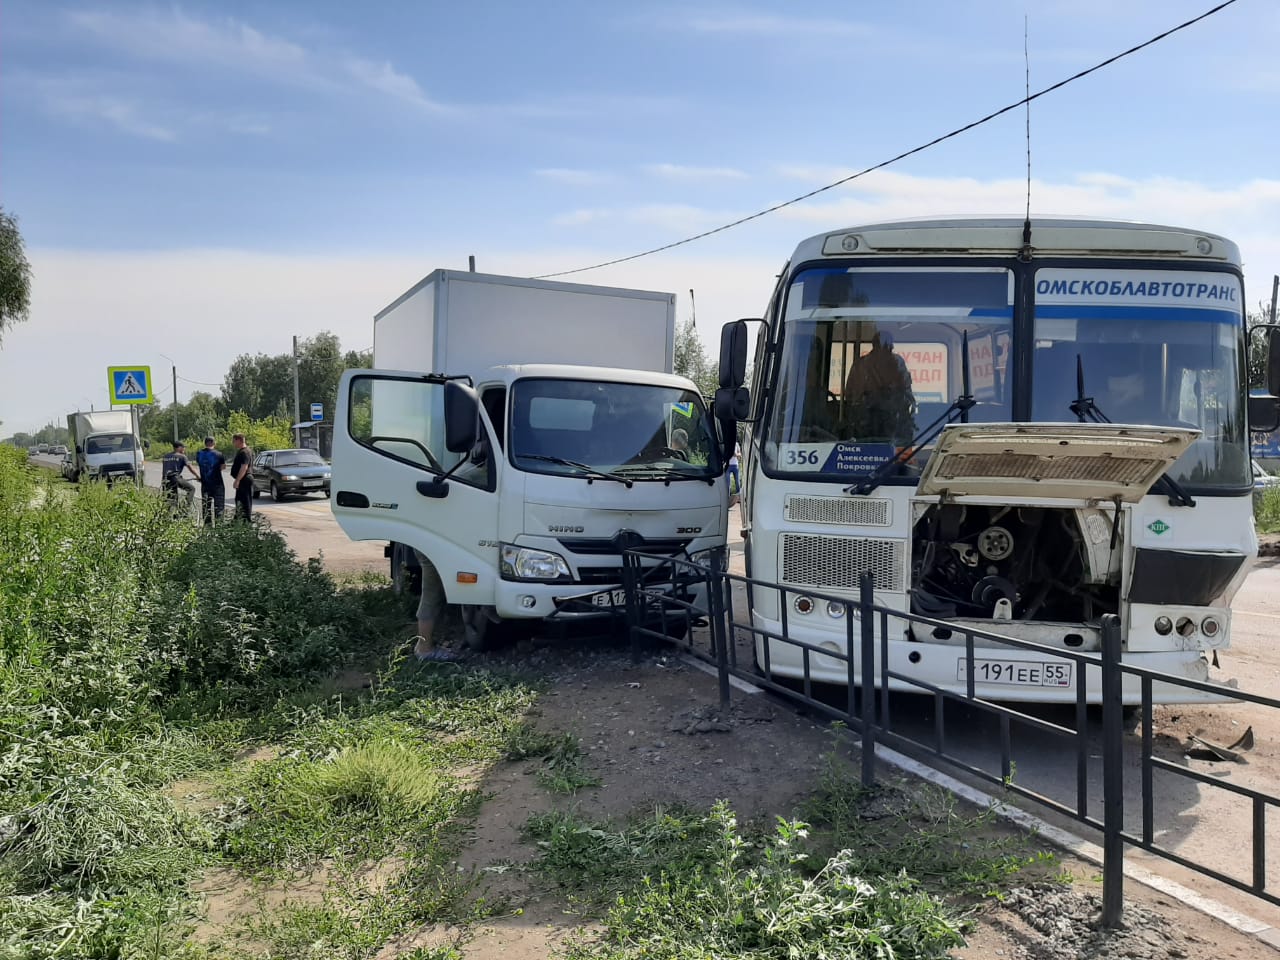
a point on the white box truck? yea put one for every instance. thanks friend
(104, 445)
(521, 434)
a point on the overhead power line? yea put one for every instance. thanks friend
(199, 383)
(902, 156)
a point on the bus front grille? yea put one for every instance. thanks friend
(836, 563)
(850, 511)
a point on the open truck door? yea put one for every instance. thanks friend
(414, 463)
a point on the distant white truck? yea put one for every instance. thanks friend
(104, 446)
(526, 434)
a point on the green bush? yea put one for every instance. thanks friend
(116, 620)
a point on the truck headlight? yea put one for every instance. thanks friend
(525, 563)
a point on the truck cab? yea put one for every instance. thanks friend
(525, 514)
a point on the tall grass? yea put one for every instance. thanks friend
(117, 624)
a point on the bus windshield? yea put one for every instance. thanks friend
(1156, 347)
(872, 355)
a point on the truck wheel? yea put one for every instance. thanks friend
(406, 577)
(478, 627)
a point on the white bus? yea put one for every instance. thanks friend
(1097, 459)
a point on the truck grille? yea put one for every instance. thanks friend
(855, 511)
(838, 562)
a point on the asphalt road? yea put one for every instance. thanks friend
(263, 503)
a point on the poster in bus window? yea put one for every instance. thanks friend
(982, 367)
(927, 364)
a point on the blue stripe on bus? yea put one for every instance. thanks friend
(1168, 313)
(999, 313)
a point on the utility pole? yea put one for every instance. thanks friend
(176, 438)
(297, 402)
(1275, 290)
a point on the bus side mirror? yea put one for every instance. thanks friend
(1264, 357)
(1264, 414)
(461, 412)
(733, 354)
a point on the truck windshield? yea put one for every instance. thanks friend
(1156, 347)
(871, 355)
(642, 431)
(109, 443)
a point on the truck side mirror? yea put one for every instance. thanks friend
(1264, 414)
(733, 354)
(732, 403)
(461, 412)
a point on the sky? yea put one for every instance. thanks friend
(195, 181)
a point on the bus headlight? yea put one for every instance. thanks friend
(1210, 626)
(835, 610)
(1186, 626)
(803, 604)
(524, 563)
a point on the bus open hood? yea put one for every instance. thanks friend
(1066, 461)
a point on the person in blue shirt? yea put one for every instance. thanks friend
(213, 489)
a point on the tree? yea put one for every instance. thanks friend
(691, 360)
(1257, 346)
(15, 275)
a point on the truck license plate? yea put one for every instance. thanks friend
(610, 598)
(1023, 673)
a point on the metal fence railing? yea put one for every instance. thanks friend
(664, 592)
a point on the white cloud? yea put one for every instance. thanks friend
(674, 217)
(90, 310)
(576, 178)
(385, 78)
(675, 171)
(175, 37)
(121, 114)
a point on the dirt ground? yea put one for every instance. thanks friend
(653, 732)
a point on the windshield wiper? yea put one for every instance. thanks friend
(667, 473)
(590, 472)
(959, 409)
(1087, 410)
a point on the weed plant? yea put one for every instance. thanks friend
(133, 649)
(1266, 510)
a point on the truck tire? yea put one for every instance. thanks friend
(482, 629)
(479, 626)
(406, 575)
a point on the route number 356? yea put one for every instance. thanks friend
(797, 458)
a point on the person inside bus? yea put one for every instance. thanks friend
(878, 394)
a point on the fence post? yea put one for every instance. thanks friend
(1112, 774)
(631, 584)
(866, 607)
(719, 622)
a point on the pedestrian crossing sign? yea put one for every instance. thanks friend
(130, 384)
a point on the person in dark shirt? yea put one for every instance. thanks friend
(242, 477)
(212, 489)
(172, 467)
